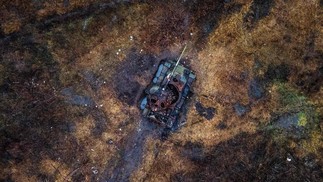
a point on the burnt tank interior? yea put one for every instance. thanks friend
(167, 94)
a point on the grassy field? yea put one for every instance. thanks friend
(71, 73)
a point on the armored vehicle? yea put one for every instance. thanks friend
(166, 96)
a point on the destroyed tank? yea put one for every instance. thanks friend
(165, 97)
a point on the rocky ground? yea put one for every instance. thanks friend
(71, 73)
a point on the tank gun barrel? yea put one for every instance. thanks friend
(170, 76)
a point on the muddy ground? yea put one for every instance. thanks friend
(72, 71)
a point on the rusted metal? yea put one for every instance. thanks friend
(165, 97)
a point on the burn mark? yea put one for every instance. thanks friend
(207, 14)
(256, 88)
(93, 80)
(131, 154)
(207, 112)
(253, 157)
(258, 10)
(100, 122)
(277, 72)
(241, 109)
(134, 68)
(75, 99)
(222, 125)
(311, 82)
(193, 151)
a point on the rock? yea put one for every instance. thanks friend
(110, 142)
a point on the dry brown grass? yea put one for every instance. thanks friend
(224, 66)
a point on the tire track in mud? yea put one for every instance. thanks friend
(132, 152)
(131, 78)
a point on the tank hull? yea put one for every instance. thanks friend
(165, 97)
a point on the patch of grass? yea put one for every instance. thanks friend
(302, 120)
(313, 144)
(290, 99)
(11, 26)
(294, 120)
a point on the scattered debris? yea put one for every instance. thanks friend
(94, 170)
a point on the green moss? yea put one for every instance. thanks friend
(294, 117)
(289, 97)
(302, 120)
(293, 101)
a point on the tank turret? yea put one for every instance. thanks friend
(166, 95)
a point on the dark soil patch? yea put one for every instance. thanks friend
(277, 73)
(207, 15)
(136, 66)
(252, 157)
(207, 112)
(95, 81)
(36, 123)
(131, 154)
(258, 85)
(258, 10)
(222, 125)
(310, 82)
(193, 151)
(256, 88)
(240, 109)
